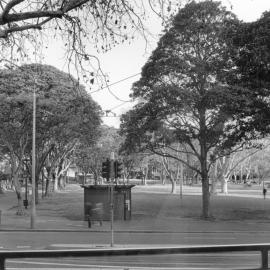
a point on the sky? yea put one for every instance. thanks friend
(124, 62)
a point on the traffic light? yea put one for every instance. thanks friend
(117, 169)
(105, 171)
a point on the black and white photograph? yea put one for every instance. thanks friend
(134, 134)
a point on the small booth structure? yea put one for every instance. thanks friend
(97, 202)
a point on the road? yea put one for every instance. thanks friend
(81, 239)
(63, 240)
(205, 261)
(41, 240)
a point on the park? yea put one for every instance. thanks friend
(134, 127)
(153, 208)
(159, 218)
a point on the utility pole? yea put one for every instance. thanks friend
(181, 181)
(33, 207)
(111, 196)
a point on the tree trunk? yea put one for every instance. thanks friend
(214, 179)
(2, 191)
(173, 190)
(146, 171)
(224, 185)
(20, 210)
(144, 176)
(173, 182)
(47, 181)
(96, 182)
(84, 178)
(47, 186)
(163, 177)
(17, 185)
(205, 195)
(203, 163)
(55, 182)
(181, 181)
(241, 173)
(214, 187)
(61, 184)
(42, 184)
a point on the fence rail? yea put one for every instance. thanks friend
(16, 254)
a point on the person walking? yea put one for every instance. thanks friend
(264, 192)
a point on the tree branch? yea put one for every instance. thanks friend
(72, 4)
(16, 17)
(4, 32)
(8, 7)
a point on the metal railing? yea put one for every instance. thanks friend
(16, 254)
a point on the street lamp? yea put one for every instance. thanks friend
(33, 206)
(25, 176)
(112, 157)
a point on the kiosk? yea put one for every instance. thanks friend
(97, 202)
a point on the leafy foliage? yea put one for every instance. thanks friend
(89, 157)
(201, 87)
(250, 77)
(65, 116)
(182, 83)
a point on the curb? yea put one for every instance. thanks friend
(130, 231)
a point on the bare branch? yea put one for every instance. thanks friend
(8, 7)
(16, 17)
(4, 33)
(72, 4)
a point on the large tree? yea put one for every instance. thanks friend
(186, 93)
(65, 116)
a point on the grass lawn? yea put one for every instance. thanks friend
(148, 205)
(69, 204)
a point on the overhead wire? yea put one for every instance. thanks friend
(109, 85)
(119, 105)
(111, 110)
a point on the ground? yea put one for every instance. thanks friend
(153, 208)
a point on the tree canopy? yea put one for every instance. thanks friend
(78, 26)
(189, 92)
(66, 115)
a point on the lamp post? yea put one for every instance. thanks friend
(111, 196)
(25, 176)
(33, 206)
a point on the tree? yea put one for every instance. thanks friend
(65, 116)
(259, 162)
(90, 157)
(249, 44)
(226, 165)
(75, 24)
(186, 93)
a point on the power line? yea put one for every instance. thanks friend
(111, 110)
(117, 106)
(109, 85)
